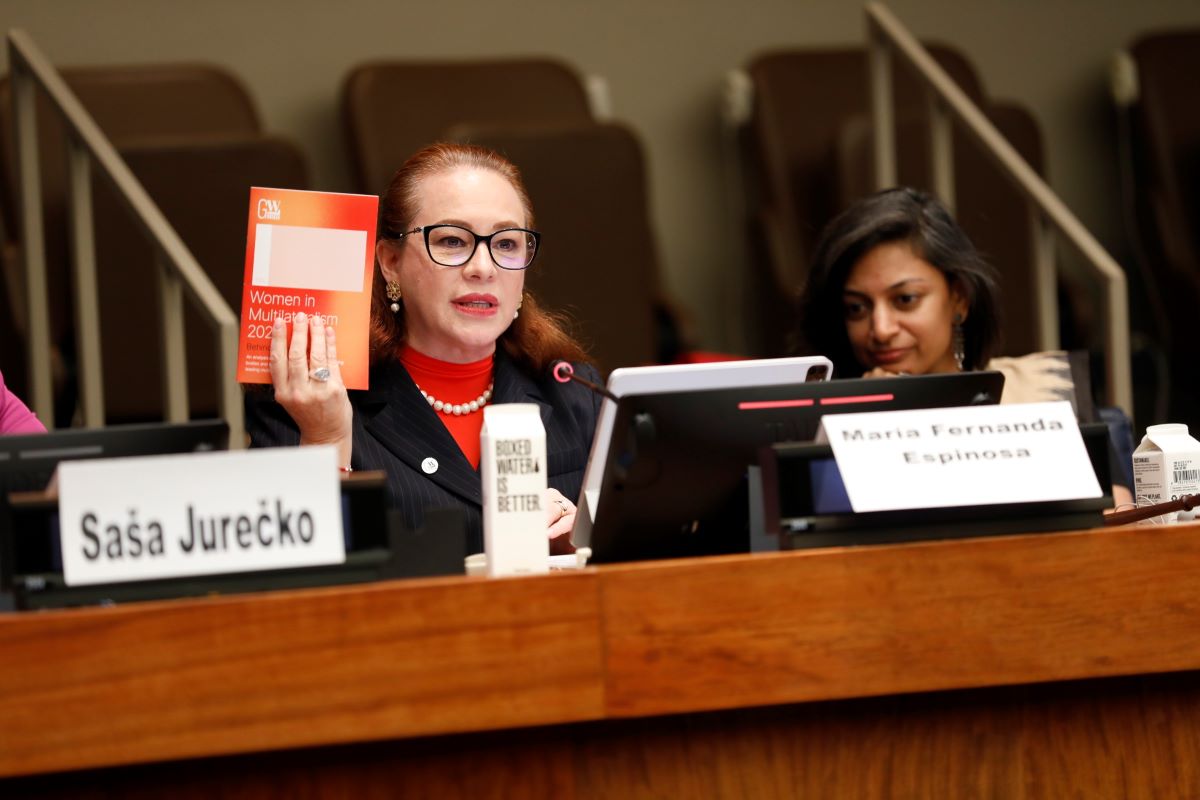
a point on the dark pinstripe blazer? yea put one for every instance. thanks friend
(395, 430)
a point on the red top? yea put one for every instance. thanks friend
(453, 384)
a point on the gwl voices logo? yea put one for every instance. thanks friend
(269, 209)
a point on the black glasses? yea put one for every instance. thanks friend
(454, 245)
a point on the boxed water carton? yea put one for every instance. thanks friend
(512, 464)
(1166, 466)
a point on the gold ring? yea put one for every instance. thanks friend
(562, 509)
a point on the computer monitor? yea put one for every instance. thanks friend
(629, 381)
(674, 480)
(378, 543)
(28, 461)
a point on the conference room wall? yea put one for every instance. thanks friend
(664, 62)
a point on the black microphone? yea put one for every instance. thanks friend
(563, 372)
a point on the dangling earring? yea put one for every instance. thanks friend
(517, 313)
(393, 294)
(960, 342)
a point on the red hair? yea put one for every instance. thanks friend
(537, 337)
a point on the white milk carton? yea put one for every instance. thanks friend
(1166, 466)
(513, 466)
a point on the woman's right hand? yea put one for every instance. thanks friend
(321, 409)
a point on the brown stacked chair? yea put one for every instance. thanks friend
(803, 100)
(196, 119)
(1164, 137)
(203, 189)
(987, 205)
(599, 261)
(394, 108)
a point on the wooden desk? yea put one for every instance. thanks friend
(816, 674)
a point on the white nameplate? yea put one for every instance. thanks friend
(134, 519)
(973, 455)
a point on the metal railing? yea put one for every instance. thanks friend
(177, 269)
(886, 36)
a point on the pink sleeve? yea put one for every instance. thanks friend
(15, 416)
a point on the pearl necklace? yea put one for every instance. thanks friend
(458, 409)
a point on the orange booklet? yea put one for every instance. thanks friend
(311, 252)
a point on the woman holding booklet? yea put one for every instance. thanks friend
(897, 288)
(451, 331)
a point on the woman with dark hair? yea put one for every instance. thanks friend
(897, 287)
(452, 330)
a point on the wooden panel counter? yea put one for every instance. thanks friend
(811, 673)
